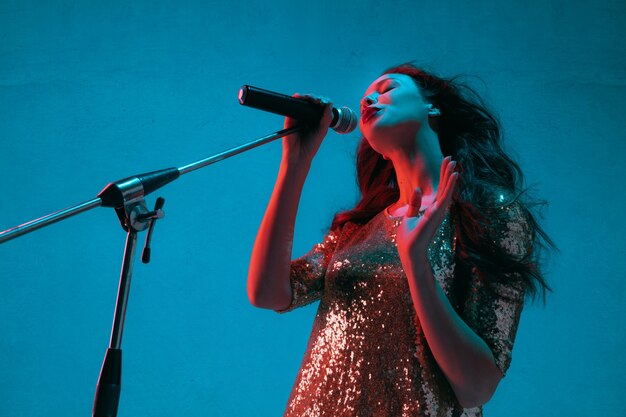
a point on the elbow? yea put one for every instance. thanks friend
(268, 305)
(270, 301)
(264, 303)
(257, 300)
(475, 399)
(254, 300)
(480, 392)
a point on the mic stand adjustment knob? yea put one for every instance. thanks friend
(151, 217)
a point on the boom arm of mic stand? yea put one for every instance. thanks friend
(115, 194)
(33, 225)
(238, 149)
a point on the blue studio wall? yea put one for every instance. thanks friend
(91, 92)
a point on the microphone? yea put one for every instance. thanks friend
(344, 119)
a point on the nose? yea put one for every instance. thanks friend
(366, 101)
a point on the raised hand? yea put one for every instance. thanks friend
(416, 232)
(302, 146)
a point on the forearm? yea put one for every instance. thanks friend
(465, 359)
(268, 274)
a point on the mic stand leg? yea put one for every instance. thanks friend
(109, 383)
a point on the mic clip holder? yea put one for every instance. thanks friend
(152, 217)
(123, 194)
(126, 197)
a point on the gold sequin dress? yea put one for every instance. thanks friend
(367, 355)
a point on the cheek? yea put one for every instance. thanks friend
(407, 114)
(397, 122)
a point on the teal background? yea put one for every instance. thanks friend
(91, 92)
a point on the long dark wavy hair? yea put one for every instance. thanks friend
(472, 136)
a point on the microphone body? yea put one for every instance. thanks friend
(344, 119)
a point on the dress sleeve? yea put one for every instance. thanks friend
(308, 272)
(493, 307)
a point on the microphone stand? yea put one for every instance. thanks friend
(126, 197)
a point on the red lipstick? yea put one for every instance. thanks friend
(369, 112)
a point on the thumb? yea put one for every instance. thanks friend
(415, 203)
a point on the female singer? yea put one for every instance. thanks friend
(422, 283)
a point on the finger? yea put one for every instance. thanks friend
(312, 98)
(415, 203)
(444, 165)
(324, 101)
(328, 114)
(445, 181)
(442, 175)
(448, 193)
(449, 171)
(437, 211)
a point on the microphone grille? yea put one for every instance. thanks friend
(346, 121)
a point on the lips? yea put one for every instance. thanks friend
(369, 112)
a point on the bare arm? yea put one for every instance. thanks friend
(464, 358)
(268, 274)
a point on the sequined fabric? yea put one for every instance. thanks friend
(367, 355)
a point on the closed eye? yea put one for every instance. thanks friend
(387, 88)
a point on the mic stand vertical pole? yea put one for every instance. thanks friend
(110, 381)
(126, 196)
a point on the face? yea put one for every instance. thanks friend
(392, 112)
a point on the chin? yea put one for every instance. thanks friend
(376, 145)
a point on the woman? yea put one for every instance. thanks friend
(422, 283)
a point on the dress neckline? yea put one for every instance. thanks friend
(390, 216)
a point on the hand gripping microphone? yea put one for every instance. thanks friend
(344, 119)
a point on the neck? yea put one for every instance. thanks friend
(418, 167)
